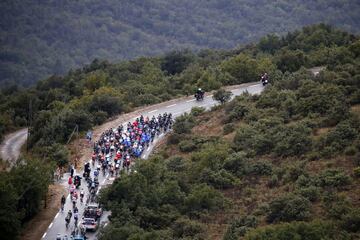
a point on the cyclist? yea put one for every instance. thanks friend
(63, 200)
(82, 195)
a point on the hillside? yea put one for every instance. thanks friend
(41, 38)
(301, 136)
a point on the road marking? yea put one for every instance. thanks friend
(44, 235)
(210, 96)
(136, 117)
(50, 225)
(144, 157)
(191, 100)
(171, 105)
(148, 149)
(107, 175)
(161, 134)
(56, 215)
(153, 111)
(103, 181)
(68, 196)
(98, 190)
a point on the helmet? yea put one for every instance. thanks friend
(199, 89)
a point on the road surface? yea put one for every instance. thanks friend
(177, 108)
(10, 148)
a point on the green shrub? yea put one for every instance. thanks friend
(260, 168)
(218, 179)
(296, 230)
(187, 146)
(228, 128)
(238, 227)
(334, 178)
(289, 207)
(357, 171)
(203, 198)
(176, 164)
(174, 138)
(273, 182)
(99, 117)
(350, 151)
(351, 221)
(184, 227)
(196, 111)
(311, 193)
(184, 124)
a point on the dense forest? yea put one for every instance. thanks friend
(301, 136)
(41, 38)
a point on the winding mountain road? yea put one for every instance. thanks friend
(176, 107)
(10, 147)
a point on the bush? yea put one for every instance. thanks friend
(351, 221)
(228, 128)
(350, 151)
(222, 96)
(239, 227)
(99, 117)
(218, 179)
(273, 182)
(357, 171)
(289, 208)
(176, 164)
(184, 227)
(196, 111)
(295, 230)
(203, 198)
(334, 178)
(184, 124)
(311, 193)
(187, 146)
(174, 138)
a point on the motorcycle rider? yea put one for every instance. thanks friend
(199, 94)
(265, 79)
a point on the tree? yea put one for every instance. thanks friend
(222, 96)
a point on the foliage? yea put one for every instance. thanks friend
(288, 208)
(239, 227)
(22, 190)
(334, 178)
(297, 230)
(222, 96)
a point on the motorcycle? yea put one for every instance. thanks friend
(199, 96)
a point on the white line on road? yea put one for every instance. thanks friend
(44, 235)
(56, 215)
(148, 149)
(68, 196)
(144, 157)
(191, 100)
(98, 190)
(161, 134)
(171, 105)
(50, 225)
(107, 175)
(103, 181)
(153, 111)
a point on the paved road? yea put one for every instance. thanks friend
(176, 108)
(10, 148)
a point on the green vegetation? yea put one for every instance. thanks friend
(40, 38)
(287, 155)
(277, 158)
